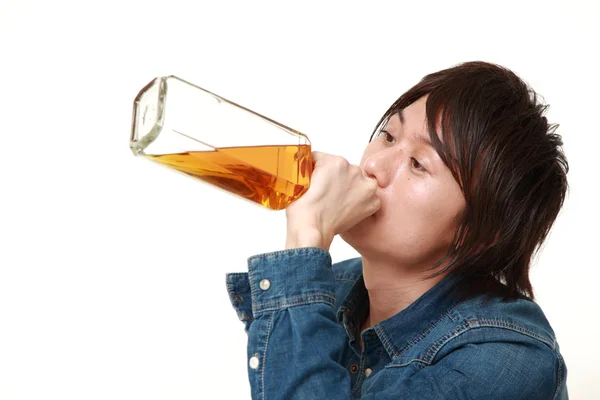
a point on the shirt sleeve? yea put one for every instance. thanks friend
(286, 301)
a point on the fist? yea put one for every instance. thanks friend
(340, 196)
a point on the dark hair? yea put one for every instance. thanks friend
(510, 166)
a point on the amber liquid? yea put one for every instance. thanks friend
(273, 176)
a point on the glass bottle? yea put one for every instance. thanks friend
(196, 132)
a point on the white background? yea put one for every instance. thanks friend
(112, 267)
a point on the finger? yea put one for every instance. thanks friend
(318, 155)
(375, 205)
(371, 189)
(370, 180)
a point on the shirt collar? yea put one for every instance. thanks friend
(397, 332)
(354, 308)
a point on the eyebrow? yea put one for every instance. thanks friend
(424, 140)
(401, 116)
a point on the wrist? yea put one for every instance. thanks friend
(307, 237)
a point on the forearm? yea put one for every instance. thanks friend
(294, 340)
(298, 357)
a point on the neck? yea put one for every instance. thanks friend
(392, 288)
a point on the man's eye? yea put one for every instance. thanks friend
(388, 137)
(416, 164)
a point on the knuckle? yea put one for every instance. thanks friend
(339, 162)
(355, 171)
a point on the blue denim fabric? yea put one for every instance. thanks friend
(303, 324)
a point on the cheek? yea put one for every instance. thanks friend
(440, 212)
(423, 206)
(411, 192)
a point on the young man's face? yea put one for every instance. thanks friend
(421, 203)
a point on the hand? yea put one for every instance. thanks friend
(340, 196)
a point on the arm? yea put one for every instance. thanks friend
(294, 340)
(297, 341)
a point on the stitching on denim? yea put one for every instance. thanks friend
(232, 295)
(229, 285)
(295, 300)
(474, 323)
(386, 342)
(235, 274)
(349, 363)
(428, 330)
(347, 329)
(279, 253)
(264, 362)
(441, 342)
(407, 363)
(300, 303)
(252, 288)
(361, 373)
(302, 296)
(500, 323)
(560, 376)
(420, 336)
(344, 279)
(303, 301)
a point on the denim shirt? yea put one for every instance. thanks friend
(303, 316)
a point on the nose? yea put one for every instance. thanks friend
(383, 165)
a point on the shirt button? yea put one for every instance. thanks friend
(265, 284)
(354, 368)
(254, 362)
(368, 372)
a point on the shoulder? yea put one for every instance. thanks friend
(517, 317)
(507, 347)
(494, 340)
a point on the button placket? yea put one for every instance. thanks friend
(254, 362)
(368, 347)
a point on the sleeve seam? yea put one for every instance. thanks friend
(471, 326)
